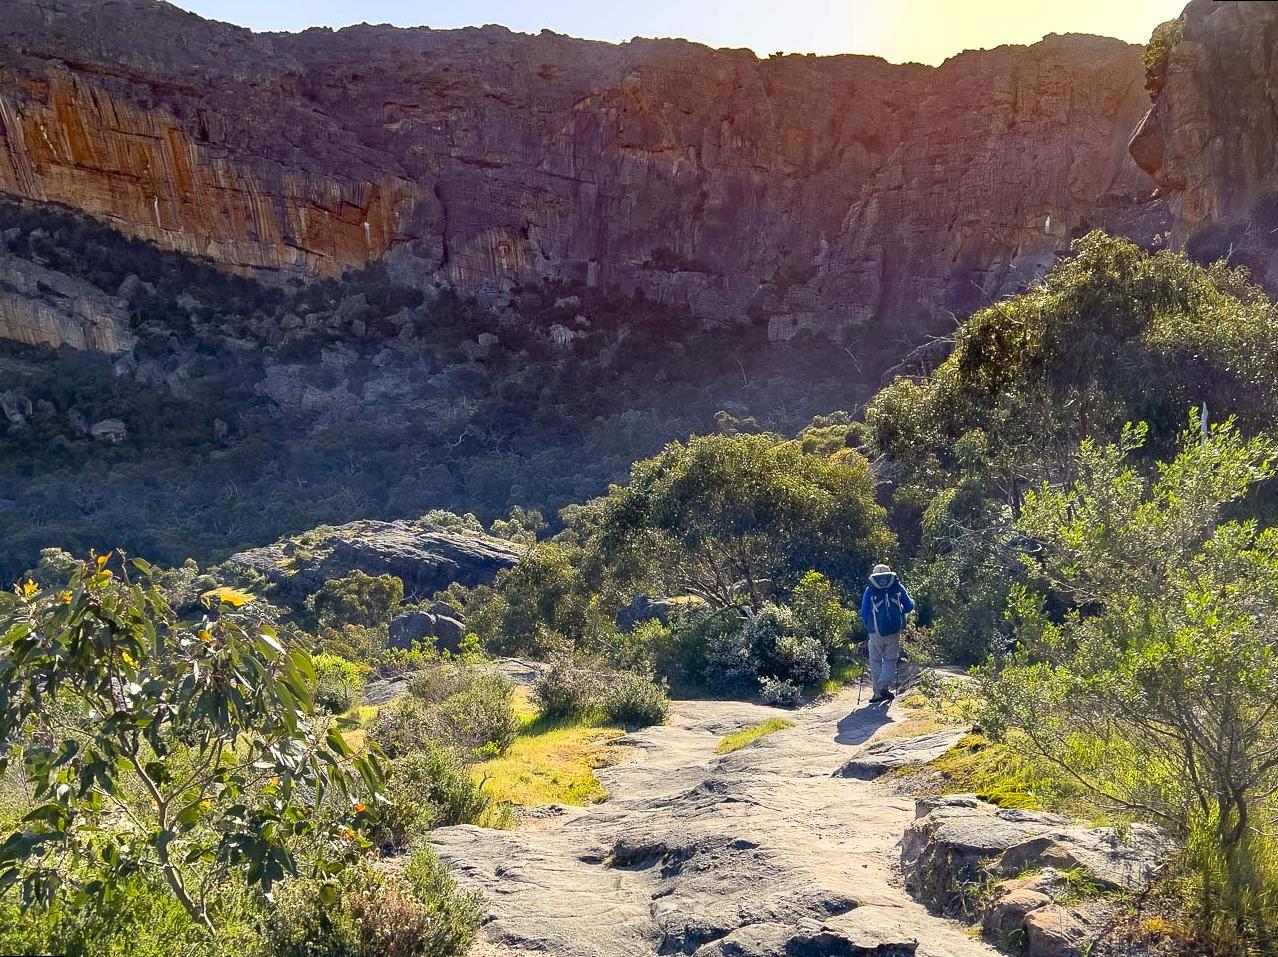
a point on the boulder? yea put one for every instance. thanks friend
(445, 630)
(449, 633)
(426, 558)
(109, 430)
(647, 608)
(409, 627)
(79, 424)
(960, 843)
(1006, 916)
(133, 288)
(891, 753)
(1057, 931)
(958, 847)
(16, 408)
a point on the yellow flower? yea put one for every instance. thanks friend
(103, 559)
(127, 658)
(358, 807)
(29, 588)
(203, 635)
(64, 597)
(231, 596)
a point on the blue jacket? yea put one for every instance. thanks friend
(885, 602)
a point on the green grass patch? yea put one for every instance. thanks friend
(551, 762)
(991, 771)
(739, 739)
(1005, 774)
(842, 674)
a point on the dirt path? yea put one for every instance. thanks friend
(759, 852)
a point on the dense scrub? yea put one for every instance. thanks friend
(1112, 335)
(1079, 496)
(261, 410)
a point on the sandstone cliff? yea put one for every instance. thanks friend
(1211, 140)
(810, 192)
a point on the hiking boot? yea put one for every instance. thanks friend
(879, 696)
(888, 696)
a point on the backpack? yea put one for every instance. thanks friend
(886, 610)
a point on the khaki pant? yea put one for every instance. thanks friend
(885, 652)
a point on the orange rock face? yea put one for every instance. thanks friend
(67, 140)
(804, 193)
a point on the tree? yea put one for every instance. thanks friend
(736, 518)
(357, 599)
(151, 743)
(1158, 688)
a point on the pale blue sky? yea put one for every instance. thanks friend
(923, 30)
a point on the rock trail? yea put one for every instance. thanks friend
(764, 851)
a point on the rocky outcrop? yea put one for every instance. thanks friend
(40, 306)
(1211, 139)
(425, 558)
(889, 754)
(763, 852)
(964, 855)
(810, 193)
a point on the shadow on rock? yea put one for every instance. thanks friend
(859, 725)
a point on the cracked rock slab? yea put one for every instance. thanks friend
(764, 851)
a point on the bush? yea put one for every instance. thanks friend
(730, 662)
(203, 713)
(564, 689)
(781, 694)
(402, 727)
(567, 689)
(339, 684)
(635, 700)
(1155, 690)
(783, 652)
(450, 705)
(370, 911)
(425, 789)
(138, 918)
(361, 643)
(820, 614)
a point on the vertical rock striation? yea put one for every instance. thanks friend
(1211, 139)
(810, 193)
(40, 306)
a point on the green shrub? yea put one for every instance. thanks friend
(564, 689)
(780, 693)
(634, 699)
(425, 789)
(136, 918)
(362, 643)
(402, 727)
(730, 663)
(339, 684)
(370, 911)
(819, 612)
(783, 652)
(207, 718)
(452, 705)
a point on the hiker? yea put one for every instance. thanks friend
(883, 609)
